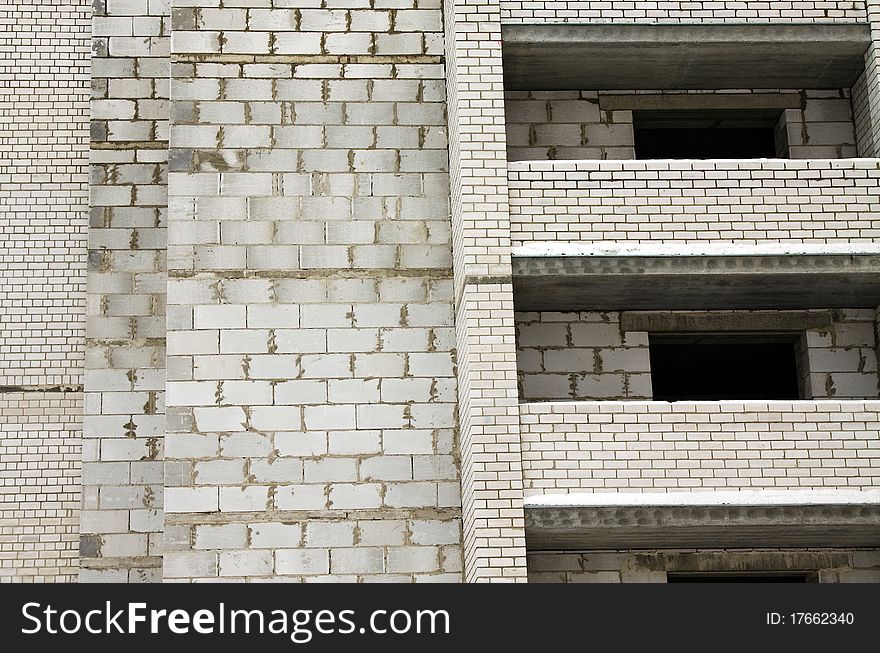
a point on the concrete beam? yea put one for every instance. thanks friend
(598, 56)
(712, 526)
(660, 322)
(679, 102)
(772, 282)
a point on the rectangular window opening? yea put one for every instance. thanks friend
(712, 134)
(717, 367)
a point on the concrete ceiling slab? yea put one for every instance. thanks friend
(714, 526)
(620, 57)
(620, 283)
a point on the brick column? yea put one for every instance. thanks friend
(121, 527)
(491, 460)
(866, 91)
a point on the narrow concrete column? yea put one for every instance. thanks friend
(491, 459)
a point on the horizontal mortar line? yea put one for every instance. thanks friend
(323, 273)
(8, 389)
(194, 518)
(479, 280)
(307, 58)
(117, 342)
(147, 562)
(129, 145)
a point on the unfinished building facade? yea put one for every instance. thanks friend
(423, 291)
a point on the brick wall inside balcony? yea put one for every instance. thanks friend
(311, 388)
(44, 82)
(683, 11)
(653, 565)
(560, 125)
(680, 202)
(580, 356)
(658, 446)
(588, 356)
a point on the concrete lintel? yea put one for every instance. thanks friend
(702, 102)
(712, 526)
(687, 56)
(638, 283)
(659, 322)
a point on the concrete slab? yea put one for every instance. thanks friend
(619, 283)
(701, 526)
(597, 56)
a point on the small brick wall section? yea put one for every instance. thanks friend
(680, 202)
(684, 11)
(658, 446)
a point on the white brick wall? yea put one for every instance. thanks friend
(44, 53)
(40, 452)
(659, 446)
(736, 202)
(682, 11)
(489, 446)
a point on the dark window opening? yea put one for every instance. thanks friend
(801, 577)
(706, 135)
(704, 367)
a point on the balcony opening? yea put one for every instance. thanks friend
(746, 134)
(716, 367)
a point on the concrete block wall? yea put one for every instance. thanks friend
(311, 372)
(681, 11)
(589, 356)
(40, 452)
(561, 125)
(653, 565)
(657, 446)
(580, 356)
(44, 52)
(739, 203)
(124, 423)
(489, 443)
(841, 362)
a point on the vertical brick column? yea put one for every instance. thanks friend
(491, 460)
(866, 91)
(311, 388)
(125, 358)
